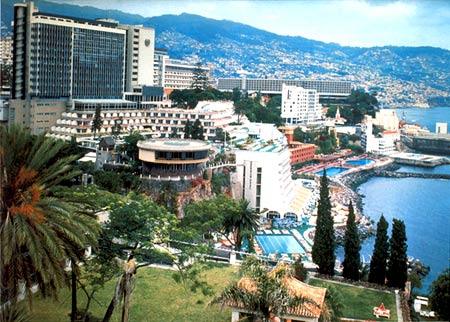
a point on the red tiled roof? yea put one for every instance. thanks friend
(296, 288)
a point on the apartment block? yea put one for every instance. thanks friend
(325, 88)
(300, 105)
(174, 73)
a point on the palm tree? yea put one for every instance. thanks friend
(242, 222)
(41, 224)
(266, 295)
(332, 310)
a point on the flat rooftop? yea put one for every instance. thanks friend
(415, 156)
(173, 145)
(260, 145)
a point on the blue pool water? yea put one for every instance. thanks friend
(360, 162)
(286, 244)
(333, 171)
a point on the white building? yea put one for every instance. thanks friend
(326, 88)
(174, 73)
(6, 51)
(60, 59)
(299, 105)
(380, 144)
(159, 121)
(441, 128)
(140, 47)
(264, 173)
(387, 119)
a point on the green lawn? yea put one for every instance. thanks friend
(359, 302)
(157, 297)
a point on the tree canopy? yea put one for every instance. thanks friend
(264, 294)
(324, 239)
(241, 221)
(378, 263)
(135, 225)
(397, 272)
(233, 219)
(189, 98)
(324, 139)
(138, 223)
(97, 121)
(255, 112)
(42, 224)
(358, 104)
(352, 246)
(440, 295)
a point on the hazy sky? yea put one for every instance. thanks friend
(347, 22)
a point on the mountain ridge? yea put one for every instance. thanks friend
(402, 75)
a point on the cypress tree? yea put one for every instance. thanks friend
(197, 130)
(352, 246)
(97, 121)
(188, 130)
(397, 272)
(380, 254)
(324, 240)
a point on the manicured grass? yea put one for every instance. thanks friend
(358, 302)
(157, 297)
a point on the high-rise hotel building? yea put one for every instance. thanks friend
(174, 73)
(300, 105)
(58, 60)
(327, 89)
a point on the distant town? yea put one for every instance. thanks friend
(230, 192)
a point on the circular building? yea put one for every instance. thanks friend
(173, 157)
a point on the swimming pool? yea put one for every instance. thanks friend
(332, 171)
(281, 244)
(360, 162)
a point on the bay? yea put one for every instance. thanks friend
(424, 206)
(425, 116)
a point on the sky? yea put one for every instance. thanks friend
(362, 23)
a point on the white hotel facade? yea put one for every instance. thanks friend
(160, 121)
(264, 172)
(382, 144)
(299, 105)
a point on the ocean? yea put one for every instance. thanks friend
(425, 116)
(423, 204)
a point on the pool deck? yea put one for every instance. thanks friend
(342, 163)
(303, 240)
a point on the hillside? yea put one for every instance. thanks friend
(403, 76)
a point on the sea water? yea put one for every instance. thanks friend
(424, 206)
(425, 116)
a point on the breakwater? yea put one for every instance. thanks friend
(393, 174)
(354, 180)
(416, 195)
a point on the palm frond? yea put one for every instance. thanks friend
(39, 228)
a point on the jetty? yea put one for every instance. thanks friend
(394, 174)
(418, 159)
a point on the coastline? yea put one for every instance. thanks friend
(351, 181)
